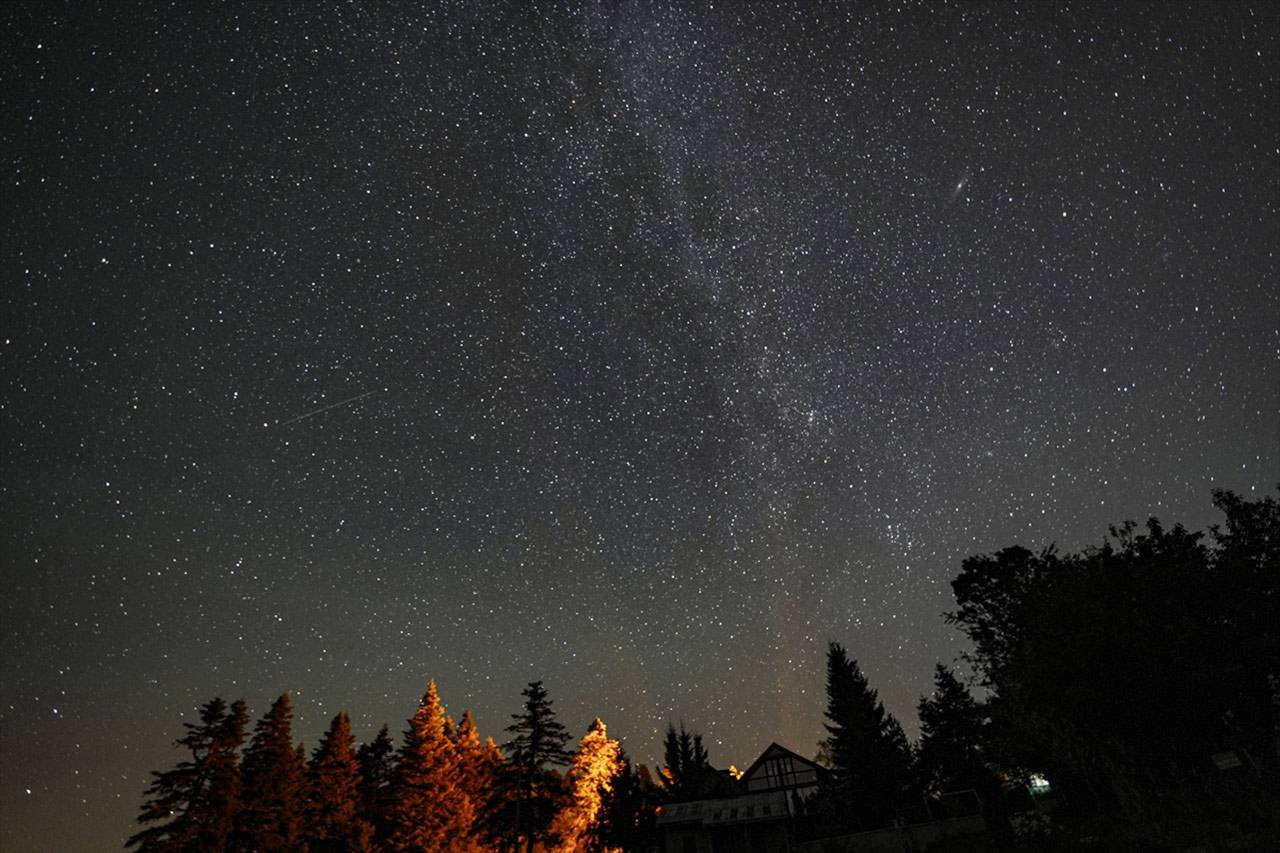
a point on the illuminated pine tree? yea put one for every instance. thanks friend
(333, 804)
(429, 810)
(595, 769)
(271, 815)
(478, 766)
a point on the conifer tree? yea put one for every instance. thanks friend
(377, 773)
(596, 768)
(870, 761)
(952, 732)
(478, 766)
(429, 810)
(629, 813)
(687, 773)
(197, 800)
(333, 816)
(271, 815)
(529, 792)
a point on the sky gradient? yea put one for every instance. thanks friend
(641, 348)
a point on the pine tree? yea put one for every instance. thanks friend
(870, 761)
(687, 773)
(952, 732)
(596, 768)
(198, 798)
(529, 792)
(274, 772)
(629, 813)
(429, 810)
(333, 819)
(377, 773)
(478, 766)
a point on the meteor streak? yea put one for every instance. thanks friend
(324, 409)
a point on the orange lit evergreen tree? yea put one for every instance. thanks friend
(429, 809)
(477, 769)
(333, 810)
(596, 767)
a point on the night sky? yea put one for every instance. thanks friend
(640, 348)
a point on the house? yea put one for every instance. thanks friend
(754, 818)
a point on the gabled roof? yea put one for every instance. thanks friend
(776, 750)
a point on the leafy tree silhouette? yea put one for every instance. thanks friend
(1121, 670)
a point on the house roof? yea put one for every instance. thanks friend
(776, 750)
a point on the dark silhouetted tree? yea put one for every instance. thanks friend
(1120, 670)
(629, 814)
(870, 759)
(529, 792)
(193, 806)
(685, 763)
(687, 773)
(953, 753)
(274, 785)
(333, 815)
(377, 771)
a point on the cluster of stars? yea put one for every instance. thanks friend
(641, 349)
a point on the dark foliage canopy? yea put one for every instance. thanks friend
(1122, 670)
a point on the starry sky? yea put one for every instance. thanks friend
(642, 348)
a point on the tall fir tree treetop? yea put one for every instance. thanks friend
(870, 759)
(334, 822)
(466, 736)
(686, 773)
(597, 764)
(528, 795)
(538, 739)
(274, 802)
(430, 809)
